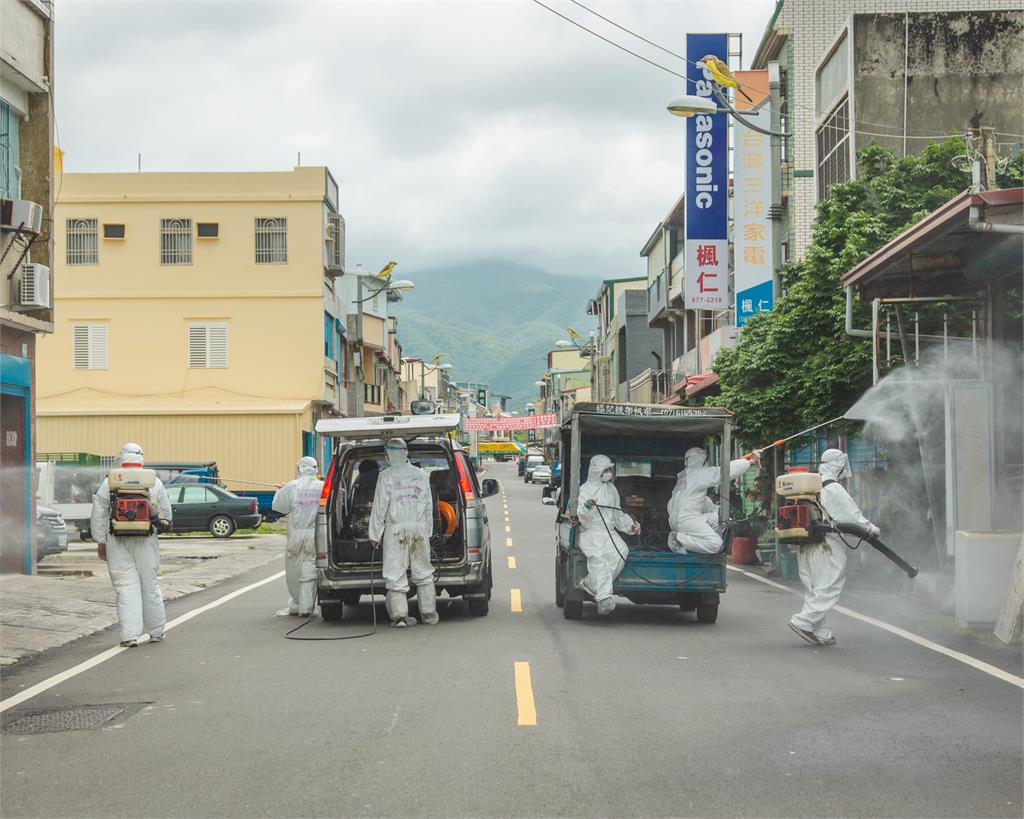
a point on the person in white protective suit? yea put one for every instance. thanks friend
(299, 499)
(403, 521)
(133, 561)
(692, 516)
(600, 515)
(823, 565)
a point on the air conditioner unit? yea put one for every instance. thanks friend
(20, 214)
(34, 288)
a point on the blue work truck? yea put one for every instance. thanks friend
(646, 445)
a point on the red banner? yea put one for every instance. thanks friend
(506, 423)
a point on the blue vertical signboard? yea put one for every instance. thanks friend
(707, 185)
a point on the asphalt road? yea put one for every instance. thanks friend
(645, 713)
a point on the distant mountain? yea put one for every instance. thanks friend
(494, 321)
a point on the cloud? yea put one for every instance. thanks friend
(456, 130)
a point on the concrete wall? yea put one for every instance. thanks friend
(641, 338)
(25, 43)
(958, 65)
(807, 29)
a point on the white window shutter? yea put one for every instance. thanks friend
(217, 355)
(80, 347)
(98, 351)
(208, 346)
(197, 347)
(89, 347)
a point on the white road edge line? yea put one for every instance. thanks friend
(103, 656)
(967, 659)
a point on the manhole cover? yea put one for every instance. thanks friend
(64, 719)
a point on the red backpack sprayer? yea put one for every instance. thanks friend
(803, 521)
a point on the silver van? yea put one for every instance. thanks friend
(461, 544)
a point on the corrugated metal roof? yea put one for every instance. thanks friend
(944, 230)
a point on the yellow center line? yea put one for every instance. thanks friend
(517, 600)
(511, 562)
(508, 530)
(508, 542)
(526, 711)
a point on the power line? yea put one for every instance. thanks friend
(610, 42)
(630, 32)
(895, 135)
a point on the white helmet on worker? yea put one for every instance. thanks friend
(834, 466)
(695, 456)
(131, 455)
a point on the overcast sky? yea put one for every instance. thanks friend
(457, 131)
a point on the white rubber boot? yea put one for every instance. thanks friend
(426, 594)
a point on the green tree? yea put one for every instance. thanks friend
(795, 366)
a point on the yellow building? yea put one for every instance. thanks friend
(197, 314)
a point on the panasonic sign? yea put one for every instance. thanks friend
(706, 285)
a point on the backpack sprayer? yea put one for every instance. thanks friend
(802, 521)
(132, 514)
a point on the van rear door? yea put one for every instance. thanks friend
(387, 426)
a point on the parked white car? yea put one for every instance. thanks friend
(541, 474)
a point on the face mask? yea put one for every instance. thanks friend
(395, 456)
(606, 477)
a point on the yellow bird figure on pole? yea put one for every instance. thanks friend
(572, 333)
(386, 270)
(721, 74)
(436, 359)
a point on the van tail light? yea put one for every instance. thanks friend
(321, 561)
(475, 555)
(465, 483)
(253, 505)
(328, 480)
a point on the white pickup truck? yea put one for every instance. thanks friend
(69, 490)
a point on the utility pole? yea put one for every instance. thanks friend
(983, 170)
(360, 378)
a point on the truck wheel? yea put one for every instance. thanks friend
(559, 583)
(478, 606)
(331, 610)
(222, 526)
(573, 610)
(707, 612)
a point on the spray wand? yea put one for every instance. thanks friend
(796, 435)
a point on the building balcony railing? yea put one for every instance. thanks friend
(652, 386)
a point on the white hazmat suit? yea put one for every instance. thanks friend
(133, 561)
(600, 515)
(299, 499)
(823, 565)
(692, 516)
(403, 521)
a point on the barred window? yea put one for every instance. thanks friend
(207, 346)
(834, 149)
(83, 241)
(175, 241)
(89, 347)
(271, 241)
